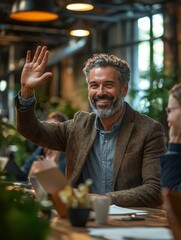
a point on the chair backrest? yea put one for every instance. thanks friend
(175, 201)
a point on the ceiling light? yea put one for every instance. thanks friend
(79, 33)
(3, 85)
(33, 11)
(79, 6)
(79, 29)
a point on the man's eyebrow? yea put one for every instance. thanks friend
(105, 81)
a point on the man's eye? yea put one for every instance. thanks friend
(93, 86)
(109, 85)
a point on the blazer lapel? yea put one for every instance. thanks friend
(122, 140)
(88, 139)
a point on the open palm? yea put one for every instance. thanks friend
(33, 72)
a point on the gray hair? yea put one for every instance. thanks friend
(104, 60)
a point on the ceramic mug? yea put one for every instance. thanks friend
(101, 208)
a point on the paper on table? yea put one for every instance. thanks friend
(52, 179)
(114, 210)
(134, 233)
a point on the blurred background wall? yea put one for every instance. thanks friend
(147, 34)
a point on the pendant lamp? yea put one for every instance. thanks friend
(79, 29)
(33, 10)
(79, 5)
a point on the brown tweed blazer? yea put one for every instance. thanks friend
(140, 142)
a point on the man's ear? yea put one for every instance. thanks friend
(125, 89)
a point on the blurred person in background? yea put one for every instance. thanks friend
(41, 153)
(171, 161)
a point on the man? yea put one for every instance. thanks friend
(117, 147)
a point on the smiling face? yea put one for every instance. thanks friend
(174, 112)
(105, 93)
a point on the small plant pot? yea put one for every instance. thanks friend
(78, 216)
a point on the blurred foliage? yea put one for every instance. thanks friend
(12, 141)
(155, 98)
(44, 107)
(19, 216)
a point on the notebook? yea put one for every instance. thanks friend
(41, 194)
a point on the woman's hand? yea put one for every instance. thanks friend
(41, 165)
(33, 73)
(175, 134)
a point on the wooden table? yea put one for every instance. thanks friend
(62, 229)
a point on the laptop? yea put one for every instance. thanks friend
(11, 168)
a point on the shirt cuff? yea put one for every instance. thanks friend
(26, 102)
(174, 147)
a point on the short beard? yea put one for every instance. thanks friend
(108, 111)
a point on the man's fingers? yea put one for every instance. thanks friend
(45, 58)
(43, 55)
(37, 53)
(28, 56)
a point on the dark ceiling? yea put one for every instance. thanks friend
(105, 13)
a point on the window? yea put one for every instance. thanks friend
(149, 55)
(139, 42)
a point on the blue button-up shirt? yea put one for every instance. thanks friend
(99, 163)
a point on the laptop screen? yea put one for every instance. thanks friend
(11, 168)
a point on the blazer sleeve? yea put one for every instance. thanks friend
(138, 179)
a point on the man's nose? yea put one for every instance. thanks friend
(101, 90)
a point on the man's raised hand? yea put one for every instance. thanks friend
(33, 73)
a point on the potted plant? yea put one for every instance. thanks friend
(20, 215)
(78, 202)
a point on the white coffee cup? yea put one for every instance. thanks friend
(101, 208)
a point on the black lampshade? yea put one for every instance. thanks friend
(33, 10)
